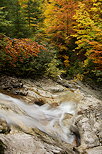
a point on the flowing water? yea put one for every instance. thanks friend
(46, 118)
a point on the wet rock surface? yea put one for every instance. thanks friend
(37, 143)
(95, 150)
(89, 125)
(88, 121)
(12, 85)
(86, 124)
(4, 128)
(8, 83)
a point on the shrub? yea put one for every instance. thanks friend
(53, 69)
(22, 57)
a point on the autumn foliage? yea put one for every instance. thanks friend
(89, 31)
(72, 31)
(19, 55)
(19, 50)
(59, 25)
(96, 53)
(75, 27)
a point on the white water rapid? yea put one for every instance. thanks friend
(47, 119)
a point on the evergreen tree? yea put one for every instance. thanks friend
(11, 12)
(19, 27)
(33, 14)
(4, 23)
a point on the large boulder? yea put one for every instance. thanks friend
(88, 124)
(38, 143)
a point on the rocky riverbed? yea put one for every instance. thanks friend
(85, 124)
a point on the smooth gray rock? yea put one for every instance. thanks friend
(95, 150)
(21, 143)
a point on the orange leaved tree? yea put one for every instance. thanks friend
(19, 55)
(59, 25)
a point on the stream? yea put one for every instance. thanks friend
(48, 117)
(51, 120)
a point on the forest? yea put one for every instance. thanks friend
(50, 76)
(51, 38)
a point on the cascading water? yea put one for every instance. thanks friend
(47, 119)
